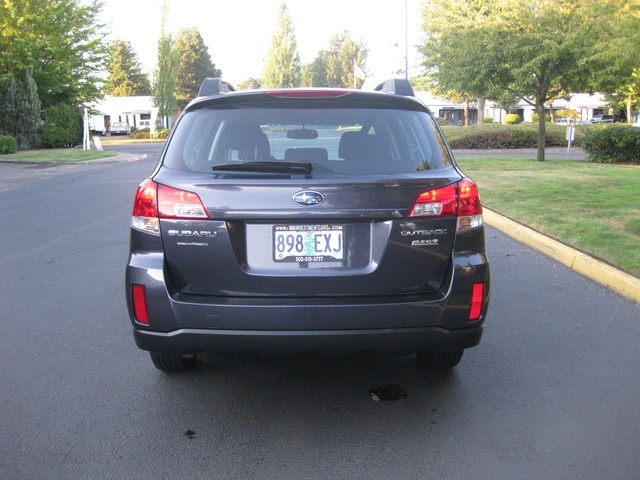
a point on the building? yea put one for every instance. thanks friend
(132, 110)
(585, 104)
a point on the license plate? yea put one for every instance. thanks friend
(308, 243)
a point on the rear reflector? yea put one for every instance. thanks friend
(140, 304)
(477, 296)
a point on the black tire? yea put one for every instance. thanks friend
(438, 361)
(171, 363)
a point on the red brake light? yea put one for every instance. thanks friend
(307, 93)
(145, 203)
(469, 198)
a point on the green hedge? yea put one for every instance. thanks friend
(8, 144)
(62, 126)
(145, 134)
(521, 136)
(612, 144)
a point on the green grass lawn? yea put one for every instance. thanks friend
(592, 207)
(57, 155)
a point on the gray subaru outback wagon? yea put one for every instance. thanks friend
(291, 220)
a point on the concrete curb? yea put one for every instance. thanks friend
(622, 283)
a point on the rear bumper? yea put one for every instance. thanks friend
(187, 324)
(232, 342)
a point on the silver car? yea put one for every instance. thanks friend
(291, 220)
(120, 128)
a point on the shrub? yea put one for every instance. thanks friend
(535, 118)
(140, 135)
(612, 144)
(145, 134)
(512, 119)
(568, 113)
(8, 144)
(442, 121)
(497, 136)
(487, 120)
(62, 126)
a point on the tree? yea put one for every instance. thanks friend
(59, 41)
(344, 55)
(20, 108)
(335, 66)
(194, 64)
(249, 84)
(164, 87)
(619, 56)
(462, 78)
(125, 74)
(537, 50)
(315, 74)
(282, 66)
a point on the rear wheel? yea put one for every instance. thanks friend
(171, 363)
(438, 361)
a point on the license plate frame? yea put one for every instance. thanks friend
(308, 243)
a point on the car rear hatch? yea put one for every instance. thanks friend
(360, 241)
(308, 194)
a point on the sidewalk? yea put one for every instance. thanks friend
(119, 158)
(622, 283)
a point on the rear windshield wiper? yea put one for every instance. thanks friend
(267, 167)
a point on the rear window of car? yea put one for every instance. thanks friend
(336, 141)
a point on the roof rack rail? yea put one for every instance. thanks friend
(214, 86)
(397, 86)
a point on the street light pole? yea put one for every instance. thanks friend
(406, 40)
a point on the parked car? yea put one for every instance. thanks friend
(120, 128)
(602, 119)
(290, 220)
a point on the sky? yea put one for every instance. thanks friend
(238, 32)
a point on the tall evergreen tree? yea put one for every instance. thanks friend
(164, 87)
(20, 108)
(125, 74)
(282, 67)
(334, 67)
(194, 64)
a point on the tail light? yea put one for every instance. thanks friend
(461, 199)
(154, 201)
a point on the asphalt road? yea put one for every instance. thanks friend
(551, 392)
